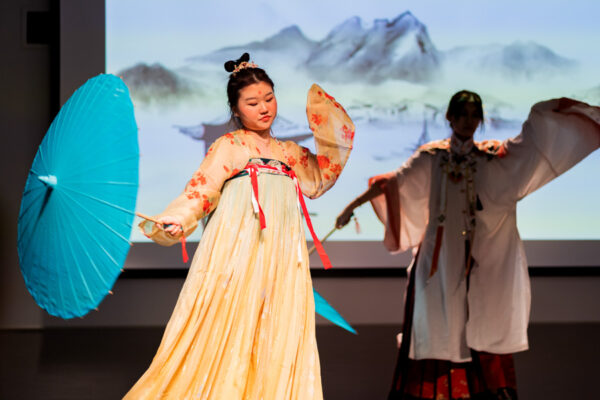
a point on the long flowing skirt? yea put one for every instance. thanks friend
(244, 325)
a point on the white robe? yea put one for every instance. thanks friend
(492, 316)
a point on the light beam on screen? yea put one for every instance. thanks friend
(413, 57)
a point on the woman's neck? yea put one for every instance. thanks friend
(264, 136)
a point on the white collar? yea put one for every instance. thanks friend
(461, 147)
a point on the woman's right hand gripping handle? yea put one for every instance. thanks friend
(171, 225)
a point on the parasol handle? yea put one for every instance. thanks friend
(313, 248)
(144, 216)
(163, 226)
(160, 224)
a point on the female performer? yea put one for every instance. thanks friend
(244, 324)
(454, 203)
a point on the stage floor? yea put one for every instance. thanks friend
(90, 364)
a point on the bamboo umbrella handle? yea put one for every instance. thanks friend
(160, 224)
(144, 216)
(313, 248)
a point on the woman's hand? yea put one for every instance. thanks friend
(375, 189)
(171, 225)
(343, 219)
(564, 103)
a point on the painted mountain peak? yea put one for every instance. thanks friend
(397, 49)
(518, 60)
(290, 42)
(148, 83)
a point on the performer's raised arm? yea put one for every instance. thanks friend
(333, 132)
(556, 136)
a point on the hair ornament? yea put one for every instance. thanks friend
(469, 97)
(241, 63)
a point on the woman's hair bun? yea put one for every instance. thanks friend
(231, 64)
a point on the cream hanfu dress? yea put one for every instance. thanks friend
(244, 324)
(479, 297)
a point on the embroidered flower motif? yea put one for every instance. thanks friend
(323, 162)
(226, 169)
(317, 119)
(493, 148)
(348, 133)
(193, 195)
(198, 178)
(234, 172)
(304, 157)
(230, 137)
(434, 146)
(335, 168)
(206, 204)
(291, 161)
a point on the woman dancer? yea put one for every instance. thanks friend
(454, 203)
(244, 325)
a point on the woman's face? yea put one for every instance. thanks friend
(466, 122)
(257, 107)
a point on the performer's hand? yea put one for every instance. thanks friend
(343, 219)
(564, 103)
(171, 225)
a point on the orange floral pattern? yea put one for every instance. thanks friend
(304, 157)
(348, 133)
(317, 119)
(230, 137)
(336, 169)
(492, 148)
(323, 161)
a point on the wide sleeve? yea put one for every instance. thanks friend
(557, 135)
(403, 205)
(333, 132)
(224, 159)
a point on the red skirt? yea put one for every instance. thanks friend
(487, 376)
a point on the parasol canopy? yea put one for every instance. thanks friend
(325, 310)
(77, 207)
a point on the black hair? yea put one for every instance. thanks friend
(458, 101)
(240, 79)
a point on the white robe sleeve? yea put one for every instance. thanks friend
(550, 143)
(403, 207)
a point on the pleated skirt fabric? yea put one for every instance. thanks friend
(244, 325)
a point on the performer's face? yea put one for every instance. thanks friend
(257, 107)
(465, 123)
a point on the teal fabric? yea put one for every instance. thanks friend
(79, 200)
(323, 308)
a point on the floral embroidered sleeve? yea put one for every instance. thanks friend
(333, 131)
(224, 159)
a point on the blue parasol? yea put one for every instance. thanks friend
(322, 307)
(77, 208)
(325, 310)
